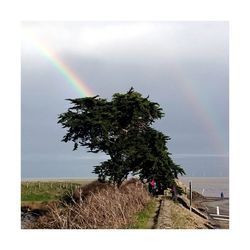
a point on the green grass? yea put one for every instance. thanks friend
(142, 218)
(45, 191)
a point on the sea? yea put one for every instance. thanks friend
(208, 186)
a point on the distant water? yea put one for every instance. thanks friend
(209, 186)
(204, 165)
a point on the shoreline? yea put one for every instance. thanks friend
(208, 186)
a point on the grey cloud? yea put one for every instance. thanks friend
(164, 62)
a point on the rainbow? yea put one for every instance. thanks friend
(72, 78)
(209, 120)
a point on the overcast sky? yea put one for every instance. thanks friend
(181, 65)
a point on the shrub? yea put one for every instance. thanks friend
(104, 207)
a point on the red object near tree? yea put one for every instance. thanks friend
(153, 183)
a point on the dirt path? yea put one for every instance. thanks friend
(153, 220)
(164, 220)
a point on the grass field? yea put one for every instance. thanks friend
(44, 191)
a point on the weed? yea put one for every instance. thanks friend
(142, 218)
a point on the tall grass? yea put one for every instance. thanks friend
(105, 207)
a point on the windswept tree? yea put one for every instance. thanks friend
(121, 128)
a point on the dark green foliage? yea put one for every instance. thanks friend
(121, 129)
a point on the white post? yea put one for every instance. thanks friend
(218, 210)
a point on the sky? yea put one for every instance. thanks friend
(183, 66)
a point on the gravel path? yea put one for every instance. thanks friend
(164, 218)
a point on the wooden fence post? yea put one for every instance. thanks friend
(190, 193)
(80, 192)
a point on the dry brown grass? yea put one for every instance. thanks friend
(103, 207)
(182, 218)
(86, 190)
(174, 216)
